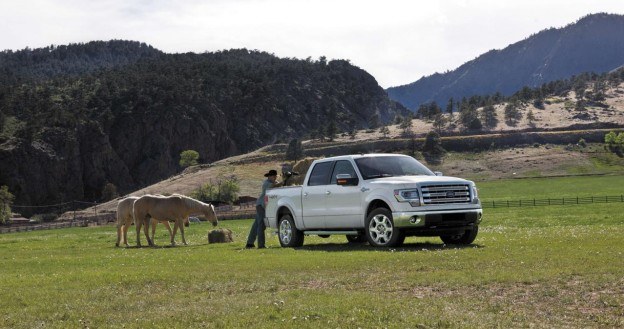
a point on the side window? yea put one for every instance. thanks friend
(342, 167)
(320, 174)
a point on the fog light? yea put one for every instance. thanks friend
(415, 203)
(415, 220)
(479, 217)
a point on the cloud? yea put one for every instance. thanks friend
(397, 41)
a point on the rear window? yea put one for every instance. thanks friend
(320, 174)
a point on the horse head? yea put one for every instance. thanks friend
(209, 213)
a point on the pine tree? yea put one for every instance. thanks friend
(530, 118)
(449, 106)
(489, 116)
(374, 121)
(469, 119)
(332, 130)
(6, 199)
(512, 113)
(385, 131)
(294, 151)
(439, 122)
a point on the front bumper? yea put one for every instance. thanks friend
(442, 219)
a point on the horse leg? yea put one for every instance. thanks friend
(147, 225)
(180, 222)
(125, 235)
(166, 223)
(139, 223)
(126, 227)
(118, 234)
(175, 230)
(154, 223)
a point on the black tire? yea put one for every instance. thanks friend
(380, 230)
(289, 235)
(356, 239)
(466, 238)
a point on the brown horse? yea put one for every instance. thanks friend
(175, 208)
(125, 219)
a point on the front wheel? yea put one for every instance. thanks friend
(380, 230)
(289, 235)
(466, 238)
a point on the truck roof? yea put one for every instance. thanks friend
(357, 156)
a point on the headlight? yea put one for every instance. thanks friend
(475, 194)
(411, 195)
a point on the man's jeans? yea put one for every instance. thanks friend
(257, 229)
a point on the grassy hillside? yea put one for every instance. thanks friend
(539, 267)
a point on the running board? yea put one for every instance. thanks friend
(331, 232)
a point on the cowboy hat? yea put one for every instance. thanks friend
(271, 173)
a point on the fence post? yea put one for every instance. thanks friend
(74, 206)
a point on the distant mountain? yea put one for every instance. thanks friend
(595, 43)
(109, 116)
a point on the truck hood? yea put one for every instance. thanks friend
(418, 180)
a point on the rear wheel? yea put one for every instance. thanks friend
(380, 230)
(466, 238)
(289, 235)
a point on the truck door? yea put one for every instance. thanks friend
(344, 208)
(314, 195)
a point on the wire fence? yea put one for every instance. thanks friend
(83, 219)
(80, 221)
(552, 201)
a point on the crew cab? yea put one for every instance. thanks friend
(374, 198)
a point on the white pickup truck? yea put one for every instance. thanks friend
(379, 198)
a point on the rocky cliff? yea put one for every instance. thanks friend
(65, 137)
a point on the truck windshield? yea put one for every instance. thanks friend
(389, 166)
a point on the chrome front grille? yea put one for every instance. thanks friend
(444, 194)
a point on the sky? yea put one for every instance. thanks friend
(397, 41)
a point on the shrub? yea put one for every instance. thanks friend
(189, 158)
(49, 217)
(582, 143)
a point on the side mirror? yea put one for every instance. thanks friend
(346, 180)
(438, 173)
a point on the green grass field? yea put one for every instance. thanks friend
(541, 267)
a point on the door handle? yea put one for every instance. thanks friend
(305, 194)
(364, 189)
(327, 192)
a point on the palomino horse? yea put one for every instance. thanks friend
(125, 219)
(175, 208)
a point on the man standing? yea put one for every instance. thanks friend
(257, 229)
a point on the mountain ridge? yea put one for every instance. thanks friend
(65, 136)
(595, 43)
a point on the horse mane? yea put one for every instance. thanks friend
(191, 203)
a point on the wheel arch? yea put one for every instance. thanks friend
(376, 203)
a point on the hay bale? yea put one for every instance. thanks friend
(221, 235)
